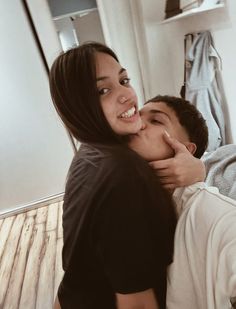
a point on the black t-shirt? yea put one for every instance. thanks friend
(118, 228)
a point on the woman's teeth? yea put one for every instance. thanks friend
(129, 113)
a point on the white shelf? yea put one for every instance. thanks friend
(202, 8)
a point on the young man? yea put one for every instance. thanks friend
(203, 274)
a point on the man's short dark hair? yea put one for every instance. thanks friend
(190, 118)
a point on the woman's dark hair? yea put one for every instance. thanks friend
(74, 93)
(190, 118)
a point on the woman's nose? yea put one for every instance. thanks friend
(125, 94)
(122, 99)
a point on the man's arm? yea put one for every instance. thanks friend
(140, 300)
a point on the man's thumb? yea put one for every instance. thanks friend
(174, 143)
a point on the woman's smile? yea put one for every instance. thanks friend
(119, 102)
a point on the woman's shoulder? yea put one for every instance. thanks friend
(121, 157)
(104, 162)
(114, 154)
(89, 155)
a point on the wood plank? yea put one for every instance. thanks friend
(5, 231)
(61, 204)
(52, 217)
(34, 270)
(45, 295)
(9, 255)
(58, 266)
(31, 213)
(17, 275)
(36, 248)
(1, 222)
(59, 225)
(41, 216)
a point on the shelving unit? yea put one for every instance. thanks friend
(201, 9)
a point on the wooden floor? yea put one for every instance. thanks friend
(30, 258)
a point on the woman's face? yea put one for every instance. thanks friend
(118, 99)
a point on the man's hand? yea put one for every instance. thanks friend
(181, 170)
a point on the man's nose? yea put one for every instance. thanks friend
(143, 125)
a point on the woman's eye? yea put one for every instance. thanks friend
(103, 91)
(125, 81)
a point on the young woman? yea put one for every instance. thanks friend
(118, 222)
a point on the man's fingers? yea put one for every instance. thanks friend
(160, 164)
(169, 187)
(163, 173)
(166, 180)
(174, 143)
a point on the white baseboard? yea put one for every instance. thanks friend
(33, 205)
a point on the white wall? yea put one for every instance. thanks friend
(119, 33)
(155, 47)
(46, 31)
(165, 48)
(35, 151)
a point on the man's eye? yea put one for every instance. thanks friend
(125, 81)
(155, 121)
(103, 91)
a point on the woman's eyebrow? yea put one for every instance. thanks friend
(122, 70)
(106, 77)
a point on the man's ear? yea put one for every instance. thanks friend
(191, 147)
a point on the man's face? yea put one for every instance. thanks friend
(157, 118)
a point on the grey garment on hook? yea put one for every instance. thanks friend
(202, 89)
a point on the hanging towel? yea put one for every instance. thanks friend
(202, 89)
